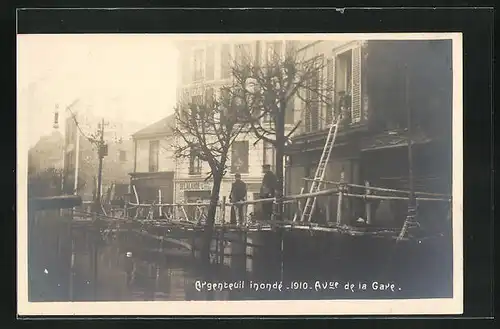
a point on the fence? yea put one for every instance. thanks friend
(332, 213)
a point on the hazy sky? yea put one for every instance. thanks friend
(120, 77)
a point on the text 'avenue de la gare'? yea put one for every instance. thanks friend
(296, 286)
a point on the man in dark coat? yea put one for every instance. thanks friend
(345, 107)
(268, 190)
(238, 193)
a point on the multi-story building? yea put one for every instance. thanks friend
(205, 67)
(371, 144)
(385, 80)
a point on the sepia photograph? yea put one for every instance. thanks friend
(239, 174)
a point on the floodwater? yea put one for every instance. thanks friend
(312, 266)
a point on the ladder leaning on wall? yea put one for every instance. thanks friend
(320, 171)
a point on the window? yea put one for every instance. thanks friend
(123, 155)
(258, 51)
(290, 47)
(194, 162)
(185, 69)
(209, 63)
(197, 99)
(239, 157)
(269, 154)
(274, 50)
(225, 62)
(329, 90)
(154, 147)
(209, 96)
(198, 65)
(343, 81)
(183, 113)
(239, 104)
(209, 102)
(185, 97)
(289, 110)
(242, 54)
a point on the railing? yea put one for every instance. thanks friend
(195, 214)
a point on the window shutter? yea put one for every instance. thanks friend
(257, 52)
(329, 85)
(307, 104)
(356, 85)
(185, 67)
(209, 63)
(225, 61)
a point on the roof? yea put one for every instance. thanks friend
(162, 127)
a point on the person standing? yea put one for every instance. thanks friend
(238, 193)
(268, 190)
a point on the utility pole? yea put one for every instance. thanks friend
(411, 201)
(101, 152)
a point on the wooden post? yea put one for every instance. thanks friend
(282, 253)
(193, 243)
(340, 203)
(72, 271)
(298, 212)
(159, 202)
(368, 207)
(221, 247)
(245, 243)
(328, 201)
(216, 240)
(157, 281)
(223, 210)
(125, 208)
(118, 243)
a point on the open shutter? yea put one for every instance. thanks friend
(364, 83)
(356, 85)
(307, 107)
(329, 84)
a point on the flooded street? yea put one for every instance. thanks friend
(309, 267)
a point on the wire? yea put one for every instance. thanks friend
(73, 116)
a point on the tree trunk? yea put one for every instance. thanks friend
(209, 225)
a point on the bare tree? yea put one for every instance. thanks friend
(270, 88)
(206, 130)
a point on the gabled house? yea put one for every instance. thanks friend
(154, 161)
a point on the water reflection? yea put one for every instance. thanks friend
(167, 272)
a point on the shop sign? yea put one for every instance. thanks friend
(196, 185)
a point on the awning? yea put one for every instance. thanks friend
(392, 140)
(402, 144)
(152, 175)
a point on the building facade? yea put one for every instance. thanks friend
(154, 162)
(387, 83)
(206, 66)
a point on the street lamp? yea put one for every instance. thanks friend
(56, 118)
